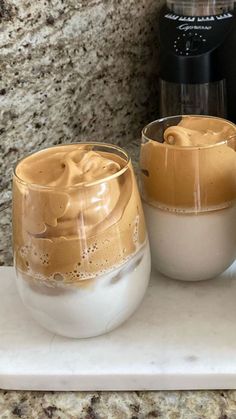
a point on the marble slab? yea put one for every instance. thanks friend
(182, 337)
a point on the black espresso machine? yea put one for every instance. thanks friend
(198, 58)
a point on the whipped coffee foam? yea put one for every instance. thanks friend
(78, 214)
(198, 131)
(193, 169)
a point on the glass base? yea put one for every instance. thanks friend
(191, 247)
(92, 310)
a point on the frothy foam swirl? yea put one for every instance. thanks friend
(176, 176)
(64, 168)
(79, 218)
(198, 132)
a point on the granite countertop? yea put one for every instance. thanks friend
(112, 405)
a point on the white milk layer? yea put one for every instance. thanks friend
(81, 312)
(191, 247)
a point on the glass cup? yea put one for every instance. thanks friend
(81, 251)
(189, 198)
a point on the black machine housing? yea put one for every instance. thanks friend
(199, 50)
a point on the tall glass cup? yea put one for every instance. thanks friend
(80, 246)
(189, 196)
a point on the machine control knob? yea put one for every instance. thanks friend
(189, 43)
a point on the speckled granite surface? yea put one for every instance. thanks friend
(72, 70)
(133, 405)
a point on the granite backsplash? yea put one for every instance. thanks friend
(73, 70)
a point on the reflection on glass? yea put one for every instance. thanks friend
(80, 246)
(188, 174)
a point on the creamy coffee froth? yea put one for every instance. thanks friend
(72, 203)
(194, 169)
(198, 131)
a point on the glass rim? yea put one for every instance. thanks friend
(83, 184)
(178, 147)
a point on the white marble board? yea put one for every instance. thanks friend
(183, 336)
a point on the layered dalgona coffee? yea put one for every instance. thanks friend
(80, 243)
(188, 169)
